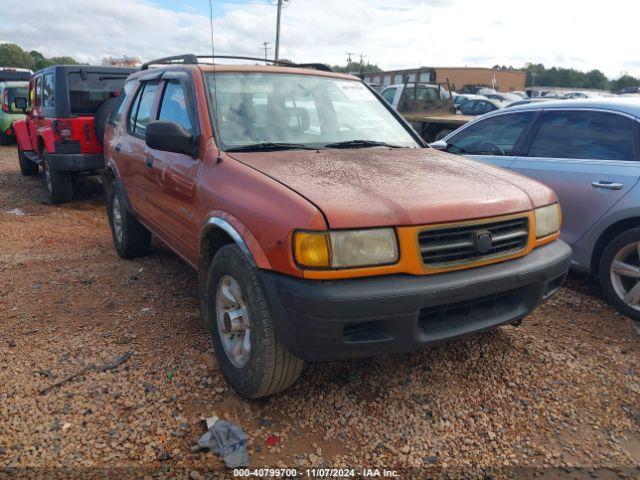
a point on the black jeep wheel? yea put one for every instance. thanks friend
(27, 167)
(130, 238)
(101, 116)
(251, 356)
(59, 184)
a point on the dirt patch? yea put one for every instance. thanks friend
(561, 391)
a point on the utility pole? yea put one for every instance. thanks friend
(266, 47)
(278, 29)
(349, 61)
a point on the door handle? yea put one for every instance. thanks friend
(607, 185)
(118, 147)
(149, 162)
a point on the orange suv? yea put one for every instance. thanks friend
(320, 224)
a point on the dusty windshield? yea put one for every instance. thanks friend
(314, 111)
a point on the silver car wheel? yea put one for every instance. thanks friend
(625, 275)
(116, 215)
(233, 321)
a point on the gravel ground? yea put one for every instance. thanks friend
(561, 391)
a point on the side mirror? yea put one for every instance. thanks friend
(169, 137)
(439, 145)
(20, 103)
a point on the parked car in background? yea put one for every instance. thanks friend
(59, 132)
(420, 91)
(319, 225)
(480, 106)
(460, 99)
(503, 97)
(9, 91)
(527, 101)
(588, 151)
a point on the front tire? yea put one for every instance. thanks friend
(59, 185)
(619, 273)
(27, 167)
(130, 238)
(250, 355)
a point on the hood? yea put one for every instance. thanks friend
(373, 187)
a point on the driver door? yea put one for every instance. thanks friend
(493, 139)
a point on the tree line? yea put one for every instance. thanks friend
(11, 55)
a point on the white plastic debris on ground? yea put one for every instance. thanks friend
(16, 211)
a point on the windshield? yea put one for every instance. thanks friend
(258, 108)
(87, 91)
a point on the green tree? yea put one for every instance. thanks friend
(11, 55)
(357, 67)
(39, 60)
(63, 61)
(625, 81)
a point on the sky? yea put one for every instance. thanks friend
(581, 34)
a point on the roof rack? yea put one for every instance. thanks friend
(191, 59)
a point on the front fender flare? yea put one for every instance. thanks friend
(22, 135)
(239, 233)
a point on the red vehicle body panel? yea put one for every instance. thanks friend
(394, 187)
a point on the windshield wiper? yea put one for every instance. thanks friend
(254, 147)
(361, 144)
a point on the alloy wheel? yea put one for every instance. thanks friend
(233, 321)
(625, 274)
(116, 215)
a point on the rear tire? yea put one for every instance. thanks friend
(263, 365)
(618, 280)
(130, 238)
(59, 185)
(27, 167)
(101, 116)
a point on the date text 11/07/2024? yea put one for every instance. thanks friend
(315, 473)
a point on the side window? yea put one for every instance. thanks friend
(389, 94)
(174, 106)
(140, 114)
(48, 91)
(116, 115)
(492, 136)
(36, 93)
(584, 135)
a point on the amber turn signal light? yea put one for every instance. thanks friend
(311, 249)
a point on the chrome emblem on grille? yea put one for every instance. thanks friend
(484, 242)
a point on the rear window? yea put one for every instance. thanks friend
(87, 90)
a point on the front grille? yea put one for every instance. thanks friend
(461, 244)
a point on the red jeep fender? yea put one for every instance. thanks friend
(46, 134)
(22, 135)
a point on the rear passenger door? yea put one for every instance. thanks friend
(589, 157)
(132, 149)
(493, 139)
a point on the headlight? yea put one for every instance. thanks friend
(346, 248)
(547, 220)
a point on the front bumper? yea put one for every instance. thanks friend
(76, 162)
(329, 320)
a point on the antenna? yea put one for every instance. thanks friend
(215, 87)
